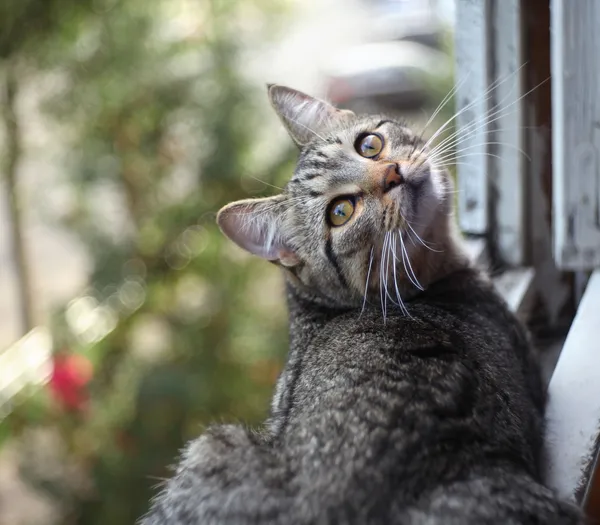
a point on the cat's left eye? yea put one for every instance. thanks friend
(341, 210)
(369, 146)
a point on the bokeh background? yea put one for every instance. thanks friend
(127, 321)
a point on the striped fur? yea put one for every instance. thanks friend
(334, 262)
(411, 395)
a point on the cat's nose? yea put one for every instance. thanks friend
(393, 177)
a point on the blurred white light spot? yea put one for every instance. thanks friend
(178, 256)
(194, 298)
(90, 321)
(194, 239)
(150, 338)
(104, 322)
(80, 313)
(132, 295)
(27, 362)
(135, 268)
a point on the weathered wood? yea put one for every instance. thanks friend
(552, 286)
(477, 250)
(472, 99)
(516, 287)
(506, 116)
(573, 413)
(576, 132)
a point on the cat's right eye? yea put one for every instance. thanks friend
(369, 146)
(341, 210)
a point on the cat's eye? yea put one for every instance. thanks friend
(369, 146)
(341, 210)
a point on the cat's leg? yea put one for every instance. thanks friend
(223, 477)
(494, 499)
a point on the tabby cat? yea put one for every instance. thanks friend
(411, 394)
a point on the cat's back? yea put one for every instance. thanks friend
(410, 422)
(459, 320)
(419, 399)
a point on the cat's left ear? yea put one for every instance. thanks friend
(256, 225)
(304, 116)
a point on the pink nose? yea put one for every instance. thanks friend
(393, 177)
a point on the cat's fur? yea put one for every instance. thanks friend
(427, 411)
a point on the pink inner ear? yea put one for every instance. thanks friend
(252, 229)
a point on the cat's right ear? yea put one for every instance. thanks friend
(256, 226)
(305, 117)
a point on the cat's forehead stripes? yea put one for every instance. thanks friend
(324, 156)
(326, 167)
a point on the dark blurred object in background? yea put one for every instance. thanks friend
(408, 52)
(385, 76)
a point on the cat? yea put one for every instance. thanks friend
(411, 394)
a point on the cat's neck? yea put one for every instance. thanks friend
(310, 312)
(434, 262)
(306, 308)
(429, 264)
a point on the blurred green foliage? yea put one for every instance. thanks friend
(179, 327)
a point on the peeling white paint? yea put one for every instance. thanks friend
(573, 413)
(506, 132)
(576, 132)
(472, 106)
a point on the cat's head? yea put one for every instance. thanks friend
(365, 215)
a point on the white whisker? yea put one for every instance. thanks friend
(405, 261)
(465, 131)
(455, 138)
(437, 155)
(494, 110)
(414, 281)
(367, 283)
(483, 97)
(486, 119)
(458, 157)
(266, 183)
(425, 244)
(398, 295)
(381, 294)
(306, 127)
(471, 129)
(386, 273)
(440, 106)
(388, 249)
(444, 101)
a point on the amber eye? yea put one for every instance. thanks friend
(341, 210)
(369, 146)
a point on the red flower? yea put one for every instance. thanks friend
(70, 375)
